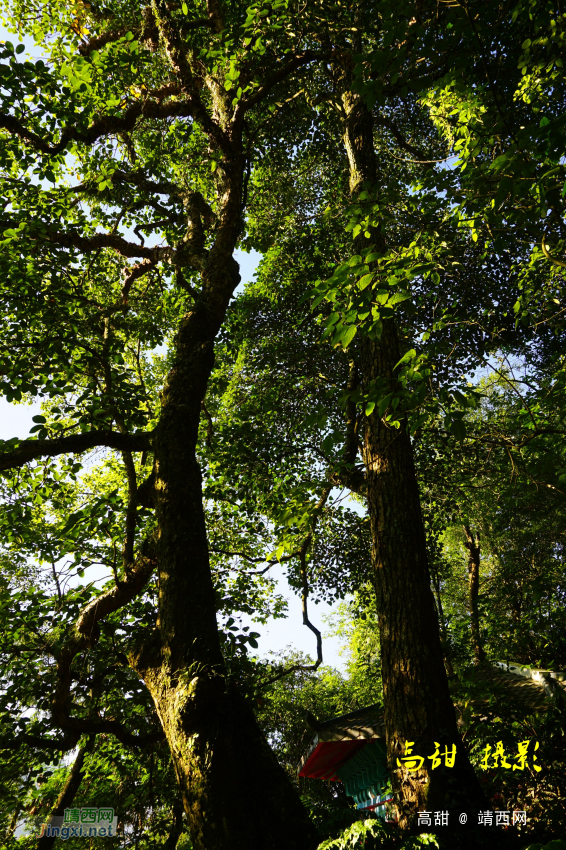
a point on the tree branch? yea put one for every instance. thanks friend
(132, 275)
(64, 744)
(87, 244)
(137, 178)
(549, 256)
(176, 52)
(76, 443)
(280, 75)
(84, 634)
(305, 594)
(67, 795)
(402, 141)
(99, 41)
(302, 554)
(104, 126)
(348, 475)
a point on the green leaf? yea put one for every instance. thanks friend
(397, 298)
(409, 355)
(346, 336)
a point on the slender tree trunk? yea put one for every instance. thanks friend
(442, 623)
(235, 794)
(418, 706)
(67, 795)
(176, 828)
(472, 544)
(12, 826)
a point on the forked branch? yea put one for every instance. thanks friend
(302, 554)
(86, 632)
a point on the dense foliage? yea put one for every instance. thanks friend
(136, 155)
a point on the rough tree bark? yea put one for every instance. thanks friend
(418, 706)
(235, 794)
(472, 544)
(222, 761)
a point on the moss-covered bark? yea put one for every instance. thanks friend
(235, 794)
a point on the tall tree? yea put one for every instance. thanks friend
(153, 109)
(411, 652)
(173, 103)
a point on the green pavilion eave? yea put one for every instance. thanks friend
(351, 749)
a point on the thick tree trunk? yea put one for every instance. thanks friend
(235, 794)
(418, 706)
(472, 544)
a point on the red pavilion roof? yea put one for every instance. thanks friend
(340, 738)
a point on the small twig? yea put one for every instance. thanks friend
(549, 256)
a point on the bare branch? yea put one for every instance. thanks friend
(131, 512)
(103, 726)
(139, 179)
(67, 742)
(271, 563)
(210, 426)
(87, 244)
(549, 256)
(137, 271)
(305, 594)
(100, 41)
(348, 475)
(292, 65)
(420, 157)
(302, 553)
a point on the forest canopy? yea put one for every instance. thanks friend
(378, 415)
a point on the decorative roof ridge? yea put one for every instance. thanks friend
(550, 680)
